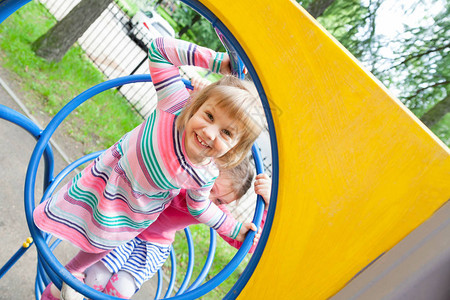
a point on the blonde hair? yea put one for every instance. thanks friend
(241, 101)
(241, 176)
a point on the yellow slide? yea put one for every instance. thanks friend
(357, 170)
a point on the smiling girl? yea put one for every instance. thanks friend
(126, 188)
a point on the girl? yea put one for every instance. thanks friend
(138, 260)
(124, 190)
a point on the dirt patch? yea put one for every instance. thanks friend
(71, 148)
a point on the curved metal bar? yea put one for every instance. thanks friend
(39, 282)
(245, 276)
(38, 290)
(7, 7)
(173, 275)
(209, 260)
(242, 252)
(16, 256)
(45, 272)
(160, 284)
(41, 275)
(190, 267)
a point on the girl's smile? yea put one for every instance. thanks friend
(202, 142)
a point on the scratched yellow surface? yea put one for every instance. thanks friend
(358, 171)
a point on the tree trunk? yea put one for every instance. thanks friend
(317, 7)
(186, 28)
(54, 44)
(437, 112)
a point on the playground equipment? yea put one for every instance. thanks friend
(47, 264)
(354, 170)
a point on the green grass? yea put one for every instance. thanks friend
(129, 6)
(224, 253)
(97, 123)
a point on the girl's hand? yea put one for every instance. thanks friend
(244, 230)
(225, 68)
(199, 83)
(263, 185)
(257, 236)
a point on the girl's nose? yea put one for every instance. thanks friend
(210, 133)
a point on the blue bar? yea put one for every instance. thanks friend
(209, 260)
(173, 275)
(7, 7)
(190, 267)
(15, 257)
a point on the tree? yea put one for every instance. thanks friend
(195, 28)
(54, 44)
(422, 63)
(316, 7)
(413, 63)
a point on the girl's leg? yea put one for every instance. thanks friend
(97, 276)
(76, 266)
(121, 285)
(83, 260)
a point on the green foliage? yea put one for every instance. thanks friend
(350, 22)
(422, 62)
(168, 18)
(414, 63)
(129, 6)
(97, 123)
(442, 129)
(201, 32)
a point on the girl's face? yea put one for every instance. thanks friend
(223, 191)
(210, 132)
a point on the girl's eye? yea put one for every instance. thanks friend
(219, 201)
(209, 116)
(226, 132)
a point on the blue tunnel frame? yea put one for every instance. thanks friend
(7, 7)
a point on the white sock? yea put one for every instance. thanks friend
(121, 285)
(97, 276)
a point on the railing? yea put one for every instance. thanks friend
(112, 48)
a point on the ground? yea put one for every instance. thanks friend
(72, 148)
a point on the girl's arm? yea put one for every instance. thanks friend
(206, 212)
(234, 243)
(165, 56)
(262, 187)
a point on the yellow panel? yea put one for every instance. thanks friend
(358, 171)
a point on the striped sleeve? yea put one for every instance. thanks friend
(209, 214)
(165, 56)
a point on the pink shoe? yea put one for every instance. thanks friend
(47, 294)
